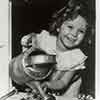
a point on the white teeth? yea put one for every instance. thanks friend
(72, 39)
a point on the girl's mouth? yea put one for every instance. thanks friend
(71, 39)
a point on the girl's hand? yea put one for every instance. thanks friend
(28, 40)
(46, 88)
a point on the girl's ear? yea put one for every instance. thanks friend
(58, 29)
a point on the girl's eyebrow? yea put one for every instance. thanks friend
(68, 23)
(70, 26)
(84, 28)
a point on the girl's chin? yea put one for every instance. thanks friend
(68, 45)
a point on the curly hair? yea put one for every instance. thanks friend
(70, 12)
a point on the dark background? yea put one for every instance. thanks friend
(33, 16)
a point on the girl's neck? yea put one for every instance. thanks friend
(60, 47)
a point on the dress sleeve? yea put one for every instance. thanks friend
(47, 42)
(71, 60)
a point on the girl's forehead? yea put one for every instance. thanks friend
(79, 21)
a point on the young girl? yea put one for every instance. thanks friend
(70, 59)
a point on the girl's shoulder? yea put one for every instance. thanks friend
(71, 59)
(77, 53)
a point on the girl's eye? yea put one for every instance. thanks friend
(81, 31)
(71, 27)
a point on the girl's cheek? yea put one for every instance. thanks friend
(65, 32)
(80, 37)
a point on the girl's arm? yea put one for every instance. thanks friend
(62, 80)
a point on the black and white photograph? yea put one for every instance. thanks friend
(50, 50)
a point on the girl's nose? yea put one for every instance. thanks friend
(74, 33)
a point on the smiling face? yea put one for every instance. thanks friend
(72, 32)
